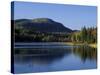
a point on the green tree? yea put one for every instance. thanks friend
(84, 34)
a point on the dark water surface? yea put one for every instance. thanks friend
(46, 57)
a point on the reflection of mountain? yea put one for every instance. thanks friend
(44, 59)
(85, 52)
(41, 59)
(41, 54)
(43, 50)
(48, 54)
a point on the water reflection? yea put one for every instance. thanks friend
(49, 55)
(54, 59)
(85, 52)
(41, 58)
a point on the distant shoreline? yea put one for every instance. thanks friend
(94, 45)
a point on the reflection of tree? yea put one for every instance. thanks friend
(85, 52)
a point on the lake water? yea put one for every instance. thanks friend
(46, 57)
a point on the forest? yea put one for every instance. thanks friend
(85, 35)
(47, 30)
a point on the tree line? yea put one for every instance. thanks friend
(23, 35)
(85, 35)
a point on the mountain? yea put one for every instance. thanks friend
(41, 25)
(76, 30)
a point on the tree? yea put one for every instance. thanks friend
(84, 34)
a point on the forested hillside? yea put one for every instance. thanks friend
(47, 30)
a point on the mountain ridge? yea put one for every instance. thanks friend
(42, 25)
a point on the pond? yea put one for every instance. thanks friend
(46, 57)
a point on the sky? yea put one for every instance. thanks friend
(71, 16)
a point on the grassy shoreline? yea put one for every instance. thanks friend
(94, 45)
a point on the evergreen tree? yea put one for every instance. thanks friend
(84, 34)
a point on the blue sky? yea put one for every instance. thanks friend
(71, 16)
